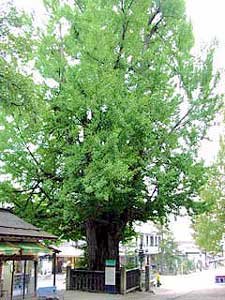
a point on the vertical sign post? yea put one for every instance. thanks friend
(110, 276)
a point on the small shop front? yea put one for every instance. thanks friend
(21, 244)
(18, 268)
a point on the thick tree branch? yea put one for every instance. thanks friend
(79, 6)
(152, 17)
(37, 164)
(122, 5)
(31, 194)
(153, 30)
(16, 104)
(124, 31)
(130, 4)
(61, 55)
(46, 195)
(179, 122)
(94, 58)
(121, 46)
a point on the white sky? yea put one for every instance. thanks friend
(208, 19)
(30, 5)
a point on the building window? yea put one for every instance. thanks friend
(146, 240)
(141, 240)
(156, 241)
(151, 241)
(159, 240)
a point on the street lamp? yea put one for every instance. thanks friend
(141, 255)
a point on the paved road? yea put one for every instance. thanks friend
(197, 286)
(207, 294)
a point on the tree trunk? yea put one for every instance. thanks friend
(103, 243)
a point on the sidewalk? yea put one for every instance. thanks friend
(70, 295)
(162, 293)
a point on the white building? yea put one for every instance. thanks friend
(145, 244)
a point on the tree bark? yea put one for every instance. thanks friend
(103, 243)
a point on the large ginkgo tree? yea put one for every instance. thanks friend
(102, 115)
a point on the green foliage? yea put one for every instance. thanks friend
(82, 262)
(111, 131)
(208, 232)
(168, 259)
(187, 266)
(15, 48)
(209, 226)
(131, 264)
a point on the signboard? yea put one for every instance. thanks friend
(220, 279)
(110, 275)
(110, 263)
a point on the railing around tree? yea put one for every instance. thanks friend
(84, 280)
(132, 280)
(91, 281)
(94, 281)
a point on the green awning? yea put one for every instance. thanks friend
(8, 249)
(32, 248)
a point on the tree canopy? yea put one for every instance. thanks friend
(169, 258)
(102, 117)
(209, 226)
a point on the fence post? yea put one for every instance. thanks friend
(142, 280)
(123, 281)
(1, 281)
(68, 278)
(147, 278)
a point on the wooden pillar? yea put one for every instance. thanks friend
(35, 277)
(123, 281)
(1, 265)
(147, 278)
(12, 280)
(68, 278)
(1, 280)
(24, 278)
(54, 269)
(148, 259)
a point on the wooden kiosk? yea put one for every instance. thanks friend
(20, 246)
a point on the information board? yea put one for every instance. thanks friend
(110, 276)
